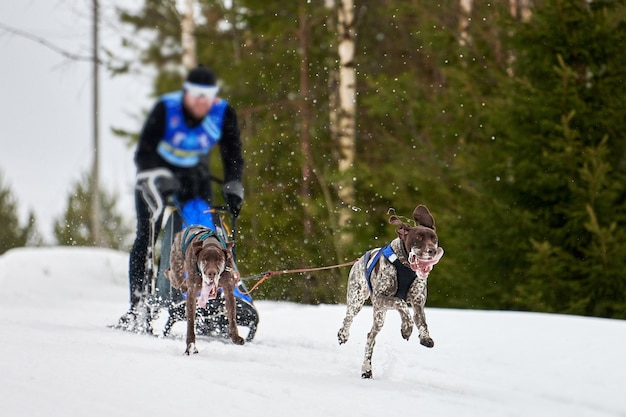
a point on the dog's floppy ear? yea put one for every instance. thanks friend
(196, 247)
(228, 250)
(403, 229)
(423, 217)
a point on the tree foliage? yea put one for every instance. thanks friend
(510, 130)
(12, 233)
(563, 152)
(74, 227)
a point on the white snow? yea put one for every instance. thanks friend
(58, 358)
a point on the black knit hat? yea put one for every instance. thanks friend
(201, 75)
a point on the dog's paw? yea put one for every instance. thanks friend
(427, 341)
(238, 340)
(367, 374)
(191, 348)
(406, 331)
(342, 336)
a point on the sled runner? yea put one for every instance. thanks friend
(210, 321)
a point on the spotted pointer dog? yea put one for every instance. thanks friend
(394, 277)
(200, 263)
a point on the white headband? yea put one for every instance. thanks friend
(199, 90)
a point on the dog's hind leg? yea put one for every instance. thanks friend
(352, 309)
(379, 321)
(176, 272)
(358, 292)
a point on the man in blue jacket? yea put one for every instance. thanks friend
(172, 157)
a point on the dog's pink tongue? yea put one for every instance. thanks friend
(207, 293)
(426, 266)
(423, 267)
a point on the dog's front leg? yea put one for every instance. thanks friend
(358, 292)
(227, 282)
(406, 328)
(422, 327)
(419, 293)
(190, 312)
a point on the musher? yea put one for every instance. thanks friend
(172, 157)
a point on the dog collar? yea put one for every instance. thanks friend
(399, 251)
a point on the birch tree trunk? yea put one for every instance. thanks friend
(96, 231)
(520, 9)
(231, 13)
(346, 132)
(188, 39)
(464, 22)
(304, 108)
(333, 100)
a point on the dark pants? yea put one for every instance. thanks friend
(138, 253)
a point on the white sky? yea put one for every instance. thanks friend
(46, 118)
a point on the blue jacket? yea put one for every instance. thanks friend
(182, 145)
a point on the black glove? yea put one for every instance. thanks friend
(233, 195)
(155, 186)
(167, 185)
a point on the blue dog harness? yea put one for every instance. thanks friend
(203, 234)
(405, 274)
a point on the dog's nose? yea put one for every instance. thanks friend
(432, 251)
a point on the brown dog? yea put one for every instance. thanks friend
(208, 265)
(394, 277)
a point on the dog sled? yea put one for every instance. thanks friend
(162, 297)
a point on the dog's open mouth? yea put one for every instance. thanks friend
(423, 266)
(208, 292)
(210, 289)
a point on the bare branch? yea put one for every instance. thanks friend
(49, 45)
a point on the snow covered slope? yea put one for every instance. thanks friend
(58, 358)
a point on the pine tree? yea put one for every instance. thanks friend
(12, 234)
(261, 76)
(73, 228)
(506, 121)
(559, 150)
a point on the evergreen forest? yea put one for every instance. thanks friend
(505, 118)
